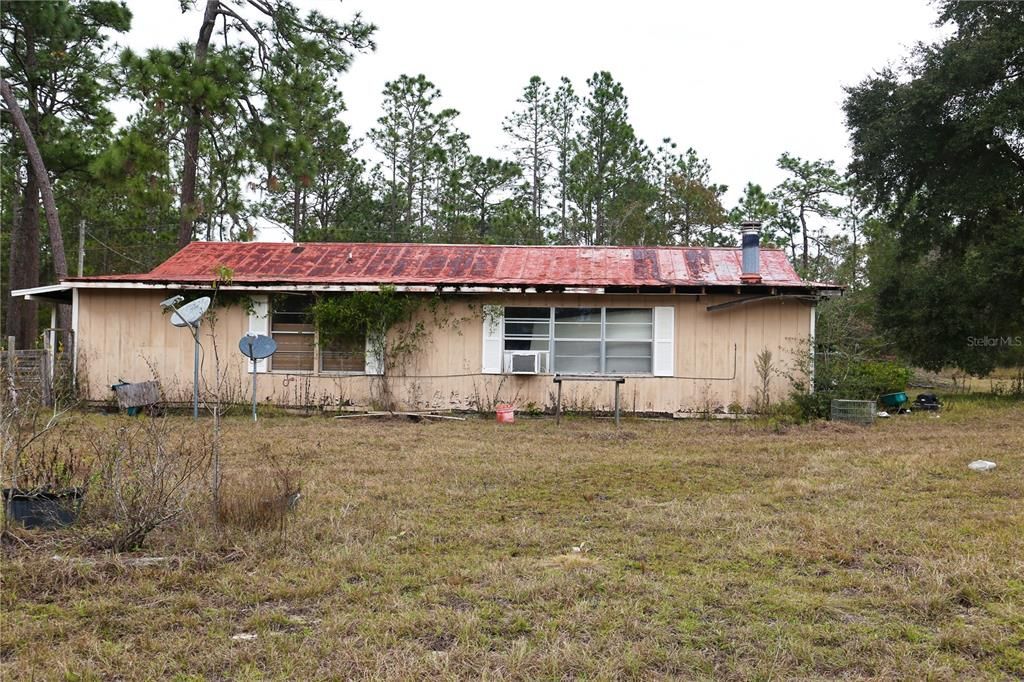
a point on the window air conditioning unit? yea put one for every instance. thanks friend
(526, 362)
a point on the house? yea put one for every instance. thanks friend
(683, 325)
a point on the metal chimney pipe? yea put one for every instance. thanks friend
(750, 231)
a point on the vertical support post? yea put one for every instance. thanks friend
(54, 342)
(45, 378)
(253, 384)
(11, 343)
(558, 405)
(195, 377)
(617, 403)
(81, 246)
(9, 390)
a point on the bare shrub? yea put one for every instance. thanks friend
(1017, 383)
(147, 473)
(35, 453)
(258, 500)
(50, 461)
(708, 401)
(483, 400)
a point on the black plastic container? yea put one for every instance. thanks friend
(43, 509)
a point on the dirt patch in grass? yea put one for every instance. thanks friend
(659, 550)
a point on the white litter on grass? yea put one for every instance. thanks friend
(883, 414)
(981, 465)
(244, 636)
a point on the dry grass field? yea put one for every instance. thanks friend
(660, 550)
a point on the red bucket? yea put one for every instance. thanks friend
(506, 414)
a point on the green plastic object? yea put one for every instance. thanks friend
(895, 400)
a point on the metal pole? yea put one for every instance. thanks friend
(195, 377)
(558, 405)
(81, 246)
(253, 384)
(616, 403)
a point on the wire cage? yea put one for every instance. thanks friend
(856, 411)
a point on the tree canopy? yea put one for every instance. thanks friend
(938, 148)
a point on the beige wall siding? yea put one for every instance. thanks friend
(124, 335)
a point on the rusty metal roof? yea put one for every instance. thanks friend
(266, 263)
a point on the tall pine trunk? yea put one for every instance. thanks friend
(22, 314)
(30, 212)
(537, 123)
(192, 130)
(296, 213)
(803, 229)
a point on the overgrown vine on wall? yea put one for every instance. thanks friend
(385, 318)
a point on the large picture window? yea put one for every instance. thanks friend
(298, 344)
(581, 340)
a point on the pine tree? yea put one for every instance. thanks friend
(307, 153)
(561, 124)
(529, 127)
(56, 64)
(607, 180)
(219, 88)
(412, 135)
(689, 206)
(810, 191)
(487, 182)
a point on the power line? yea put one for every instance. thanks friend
(115, 251)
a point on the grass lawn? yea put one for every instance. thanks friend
(659, 550)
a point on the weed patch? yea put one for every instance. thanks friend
(686, 549)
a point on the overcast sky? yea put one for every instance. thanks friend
(741, 82)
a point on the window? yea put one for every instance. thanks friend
(629, 335)
(527, 329)
(298, 344)
(346, 355)
(291, 326)
(581, 340)
(578, 340)
(527, 340)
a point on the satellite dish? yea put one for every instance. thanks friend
(257, 346)
(188, 314)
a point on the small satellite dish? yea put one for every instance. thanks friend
(257, 346)
(188, 314)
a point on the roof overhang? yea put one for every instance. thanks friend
(61, 293)
(53, 293)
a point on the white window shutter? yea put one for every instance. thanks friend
(664, 337)
(374, 363)
(494, 318)
(259, 322)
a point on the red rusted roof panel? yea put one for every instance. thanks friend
(463, 265)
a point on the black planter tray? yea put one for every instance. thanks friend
(43, 509)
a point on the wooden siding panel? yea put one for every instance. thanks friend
(120, 330)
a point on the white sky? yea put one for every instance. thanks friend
(739, 81)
